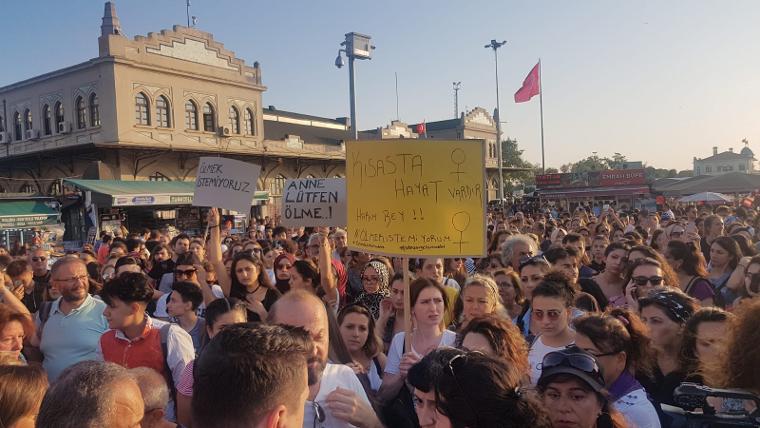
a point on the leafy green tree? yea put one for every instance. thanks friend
(512, 158)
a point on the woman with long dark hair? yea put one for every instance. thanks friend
(611, 280)
(704, 341)
(725, 270)
(619, 341)
(689, 264)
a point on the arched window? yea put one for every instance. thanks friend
(278, 185)
(191, 115)
(234, 120)
(310, 177)
(47, 119)
(58, 111)
(26, 188)
(163, 119)
(157, 176)
(94, 110)
(27, 120)
(249, 124)
(142, 109)
(209, 122)
(81, 113)
(17, 125)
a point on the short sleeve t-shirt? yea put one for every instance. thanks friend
(335, 376)
(536, 356)
(396, 351)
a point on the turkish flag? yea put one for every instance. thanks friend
(531, 86)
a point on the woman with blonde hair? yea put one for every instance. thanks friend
(479, 296)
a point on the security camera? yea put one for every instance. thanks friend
(339, 61)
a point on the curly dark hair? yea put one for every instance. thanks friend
(128, 287)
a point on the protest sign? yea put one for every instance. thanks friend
(416, 197)
(314, 202)
(225, 183)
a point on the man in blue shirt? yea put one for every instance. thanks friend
(69, 330)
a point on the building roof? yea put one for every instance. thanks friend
(725, 156)
(278, 124)
(733, 182)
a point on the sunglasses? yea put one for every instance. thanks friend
(552, 314)
(643, 280)
(319, 414)
(583, 362)
(39, 259)
(188, 272)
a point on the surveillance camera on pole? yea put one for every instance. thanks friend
(357, 46)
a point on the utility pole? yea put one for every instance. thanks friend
(457, 87)
(187, 8)
(497, 116)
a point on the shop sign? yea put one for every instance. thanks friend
(145, 200)
(575, 180)
(183, 199)
(27, 221)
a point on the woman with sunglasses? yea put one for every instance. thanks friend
(479, 296)
(620, 343)
(500, 339)
(689, 264)
(473, 390)
(643, 251)
(219, 314)
(572, 390)
(282, 265)
(643, 276)
(665, 313)
(532, 272)
(552, 308)
(375, 278)
(357, 329)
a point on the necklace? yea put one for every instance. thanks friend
(255, 290)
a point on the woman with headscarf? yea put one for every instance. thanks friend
(282, 265)
(375, 278)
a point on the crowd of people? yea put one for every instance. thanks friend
(572, 319)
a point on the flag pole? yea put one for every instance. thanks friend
(541, 108)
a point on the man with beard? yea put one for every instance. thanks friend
(69, 328)
(336, 397)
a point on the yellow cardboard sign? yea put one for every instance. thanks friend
(416, 197)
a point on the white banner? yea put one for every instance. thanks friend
(314, 202)
(225, 183)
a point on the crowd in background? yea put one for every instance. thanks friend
(590, 318)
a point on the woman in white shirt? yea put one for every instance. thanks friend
(429, 304)
(552, 309)
(357, 328)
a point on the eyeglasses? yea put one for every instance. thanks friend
(180, 272)
(552, 314)
(72, 279)
(642, 280)
(39, 259)
(319, 413)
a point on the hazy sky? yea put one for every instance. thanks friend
(658, 81)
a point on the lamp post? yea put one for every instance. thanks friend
(497, 116)
(356, 46)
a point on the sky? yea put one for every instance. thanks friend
(657, 81)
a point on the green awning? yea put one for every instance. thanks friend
(24, 214)
(120, 193)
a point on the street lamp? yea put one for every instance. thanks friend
(497, 117)
(357, 46)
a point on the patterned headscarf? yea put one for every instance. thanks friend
(372, 300)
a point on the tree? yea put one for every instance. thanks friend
(512, 157)
(595, 163)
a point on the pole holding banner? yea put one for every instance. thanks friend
(407, 307)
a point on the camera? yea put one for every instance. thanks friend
(701, 406)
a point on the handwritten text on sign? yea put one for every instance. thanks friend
(416, 198)
(314, 202)
(225, 183)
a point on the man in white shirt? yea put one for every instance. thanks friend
(336, 397)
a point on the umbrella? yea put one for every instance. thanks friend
(707, 197)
